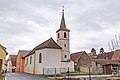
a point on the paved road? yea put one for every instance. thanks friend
(21, 76)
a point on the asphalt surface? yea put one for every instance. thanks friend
(22, 76)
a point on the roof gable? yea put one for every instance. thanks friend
(4, 49)
(75, 56)
(23, 53)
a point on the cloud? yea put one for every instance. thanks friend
(26, 23)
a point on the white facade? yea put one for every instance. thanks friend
(10, 67)
(51, 58)
(29, 67)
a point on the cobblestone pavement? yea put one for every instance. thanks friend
(22, 76)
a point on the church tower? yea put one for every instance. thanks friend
(63, 39)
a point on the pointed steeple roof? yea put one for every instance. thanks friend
(50, 43)
(63, 25)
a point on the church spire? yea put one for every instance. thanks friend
(62, 24)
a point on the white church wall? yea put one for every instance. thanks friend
(51, 60)
(29, 68)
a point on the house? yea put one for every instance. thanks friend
(104, 66)
(51, 57)
(3, 54)
(21, 60)
(11, 63)
(82, 61)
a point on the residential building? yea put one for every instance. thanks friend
(21, 60)
(81, 60)
(104, 66)
(51, 57)
(11, 63)
(3, 54)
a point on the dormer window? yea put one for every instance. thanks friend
(65, 36)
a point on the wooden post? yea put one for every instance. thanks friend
(43, 71)
(89, 74)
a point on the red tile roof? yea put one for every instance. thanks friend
(106, 61)
(75, 56)
(106, 55)
(116, 55)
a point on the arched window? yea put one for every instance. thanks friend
(58, 35)
(27, 61)
(40, 58)
(65, 56)
(30, 59)
(65, 35)
(64, 45)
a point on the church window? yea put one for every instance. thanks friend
(65, 35)
(40, 58)
(27, 61)
(64, 45)
(58, 35)
(65, 56)
(30, 59)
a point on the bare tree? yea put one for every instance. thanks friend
(114, 43)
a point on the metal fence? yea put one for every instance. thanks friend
(54, 71)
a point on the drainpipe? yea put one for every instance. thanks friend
(34, 63)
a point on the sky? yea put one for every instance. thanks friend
(25, 24)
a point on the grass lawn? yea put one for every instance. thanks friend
(78, 73)
(0, 77)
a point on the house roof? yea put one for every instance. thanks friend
(23, 53)
(116, 55)
(50, 43)
(106, 61)
(4, 48)
(75, 56)
(13, 59)
(63, 25)
(106, 55)
(92, 54)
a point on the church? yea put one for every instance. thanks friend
(51, 56)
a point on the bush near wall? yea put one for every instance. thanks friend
(0, 77)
